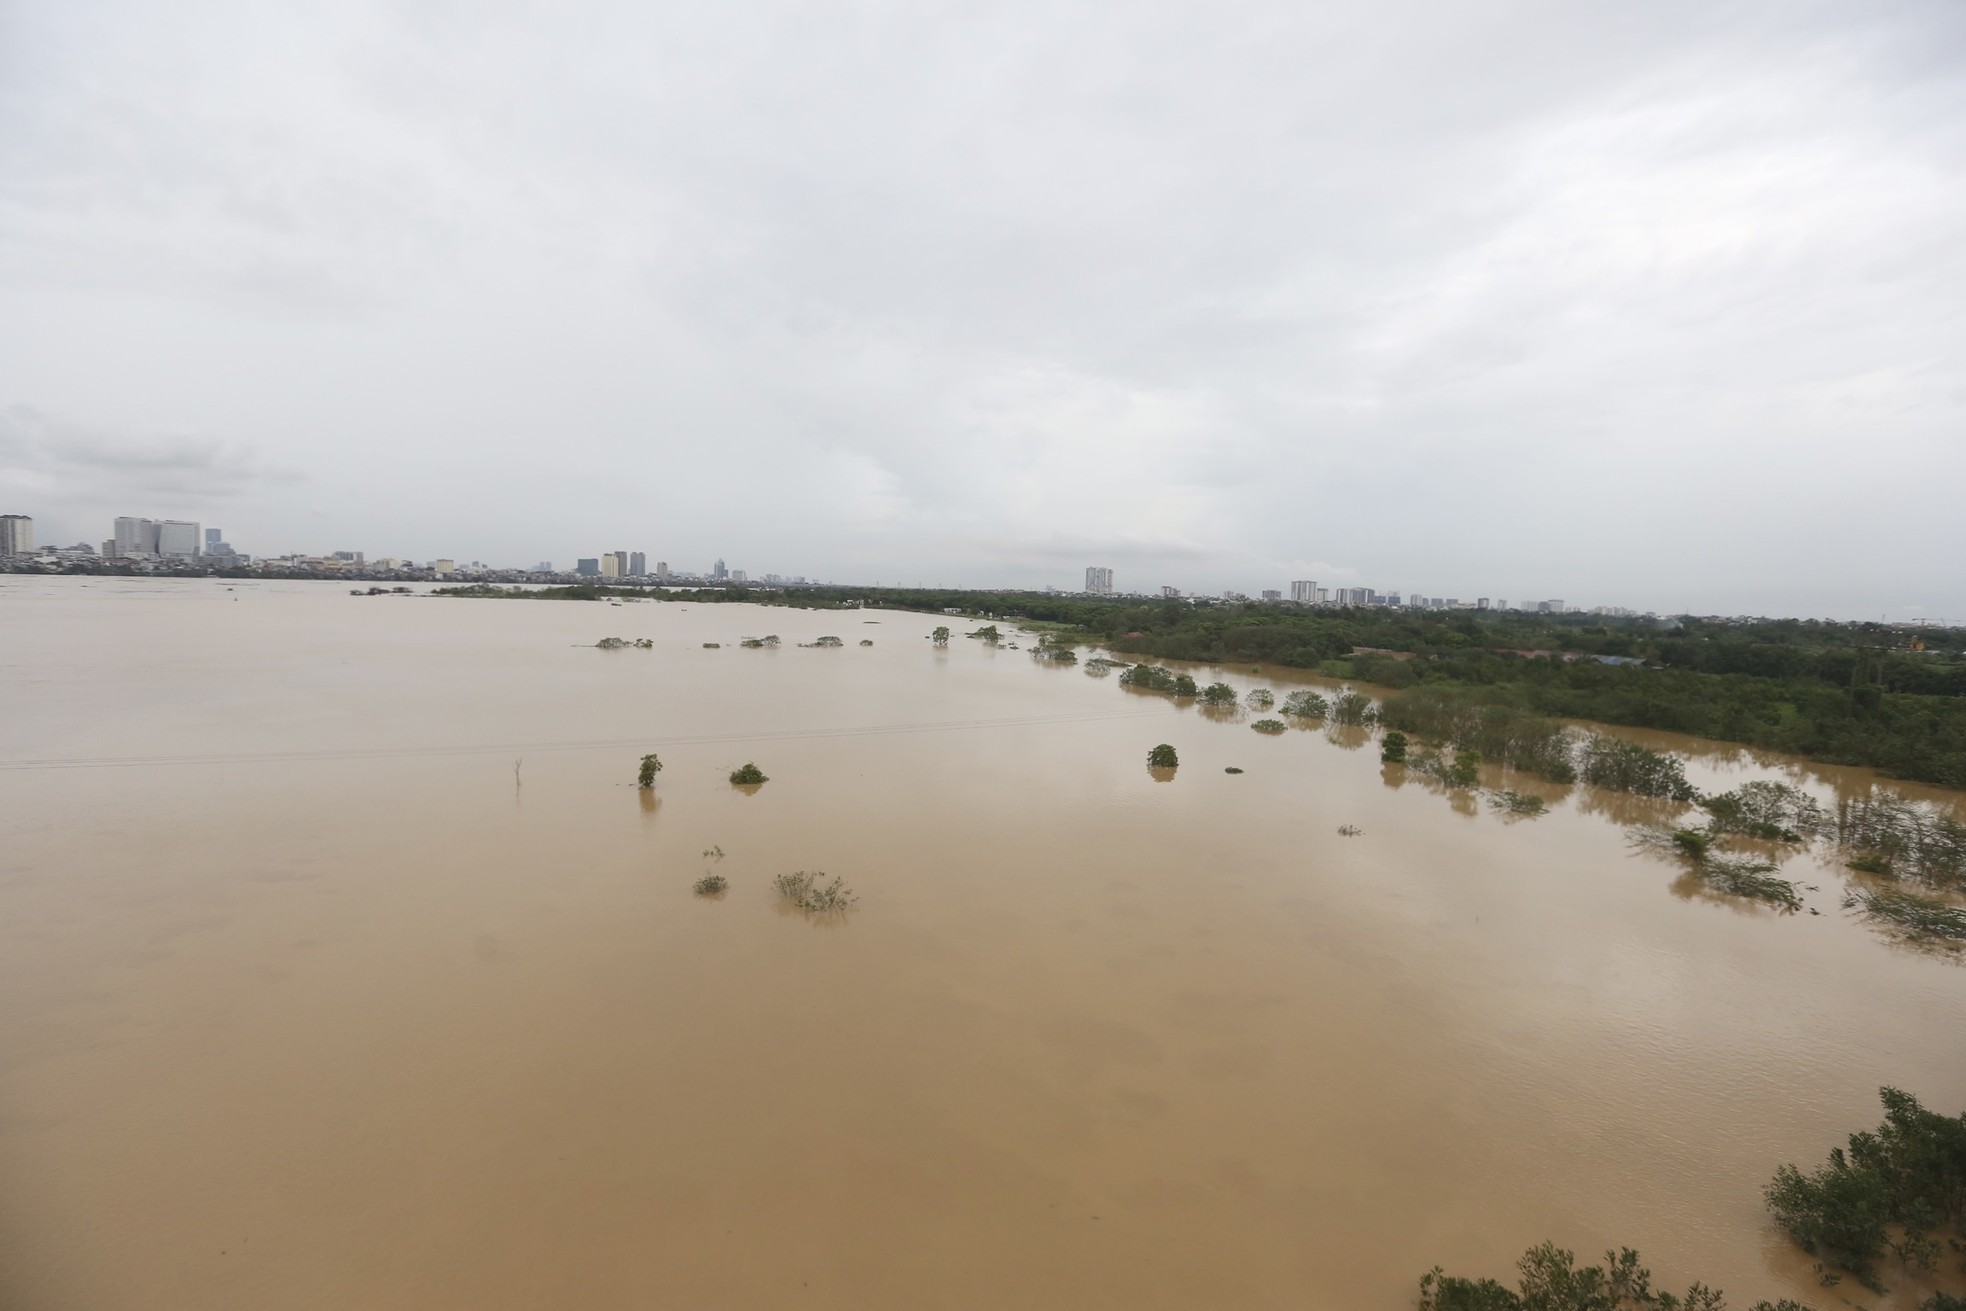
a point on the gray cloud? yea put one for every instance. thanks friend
(1653, 306)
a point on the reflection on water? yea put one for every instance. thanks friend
(297, 1008)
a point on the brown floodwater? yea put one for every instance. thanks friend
(342, 965)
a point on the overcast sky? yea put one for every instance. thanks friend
(1659, 305)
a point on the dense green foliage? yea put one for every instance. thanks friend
(1900, 1187)
(1392, 747)
(1163, 757)
(1549, 1279)
(711, 885)
(748, 774)
(940, 636)
(650, 768)
(1270, 726)
(1218, 694)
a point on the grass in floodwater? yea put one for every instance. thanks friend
(804, 890)
(711, 885)
(1270, 726)
(1517, 803)
(1349, 830)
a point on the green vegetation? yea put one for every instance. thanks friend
(1622, 766)
(1163, 757)
(577, 592)
(1923, 921)
(1727, 875)
(755, 643)
(1392, 748)
(1350, 707)
(1510, 802)
(711, 885)
(940, 636)
(1261, 699)
(1464, 771)
(1349, 830)
(828, 641)
(748, 775)
(1305, 704)
(1156, 678)
(713, 853)
(1232, 769)
(1549, 1279)
(1270, 726)
(805, 891)
(1908, 840)
(1899, 1188)
(1055, 650)
(1506, 733)
(619, 643)
(988, 633)
(1218, 694)
(1774, 812)
(650, 768)
(713, 646)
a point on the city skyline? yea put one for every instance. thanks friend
(185, 541)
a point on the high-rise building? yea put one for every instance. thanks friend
(739, 576)
(611, 563)
(587, 568)
(621, 564)
(718, 572)
(661, 568)
(1099, 580)
(638, 564)
(1304, 592)
(178, 539)
(136, 536)
(16, 534)
(1271, 594)
(1170, 593)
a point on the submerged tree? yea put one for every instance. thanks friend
(749, 774)
(1163, 757)
(940, 636)
(1392, 748)
(651, 766)
(1218, 694)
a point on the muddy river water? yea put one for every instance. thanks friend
(343, 965)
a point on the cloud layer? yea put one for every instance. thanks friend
(1656, 306)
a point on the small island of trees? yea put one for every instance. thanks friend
(748, 775)
(651, 766)
(1163, 757)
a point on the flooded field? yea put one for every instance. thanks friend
(343, 965)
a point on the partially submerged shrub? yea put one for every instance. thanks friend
(1392, 748)
(1549, 1279)
(1349, 830)
(1500, 731)
(749, 773)
(1163, 757)
(1517, 803)
(940, 636)
(1739, 876)
(1305, 704)
(1261, 699)
(1231, 769)
(866, 641)
(1184, 685)
(1908, 1174)
(1270, 726)
(804, 890)
(1611, 762)
(753, 643)
(988, 633)
(1150, 678)
(1351, 708)
(651, 766)
(1763, 809)
(1910, 917)
(711, 885)
(1218, 694)
(1910, 840)
(832, 641)
(1464, 771)
(713, 646)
